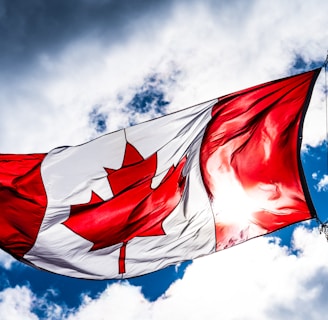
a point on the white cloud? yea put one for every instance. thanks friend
(6, 260)
(256, 280)
(116, 302)
(323, 183)
(217, 49)
(20, 302)
(16, 303)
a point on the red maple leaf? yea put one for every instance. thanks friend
(135, 210)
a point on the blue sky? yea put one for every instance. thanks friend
(73, 70)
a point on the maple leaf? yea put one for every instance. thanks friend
(135, 210)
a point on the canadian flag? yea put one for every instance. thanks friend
(171, 189)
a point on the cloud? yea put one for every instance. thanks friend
(20, 302)
(6, 260)
(149, 100)
(260, 279)
(28, 30)
(75, 57)
(323, 183)
(119, 301)
(257, 280)
(97, 119)
(16, 303)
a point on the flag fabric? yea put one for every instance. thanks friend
(171, 189)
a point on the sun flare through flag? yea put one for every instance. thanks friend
(171, 189)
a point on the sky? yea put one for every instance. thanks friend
(74, 70)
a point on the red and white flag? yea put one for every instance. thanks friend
(171, 189)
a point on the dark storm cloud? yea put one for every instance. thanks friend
(34, 27)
